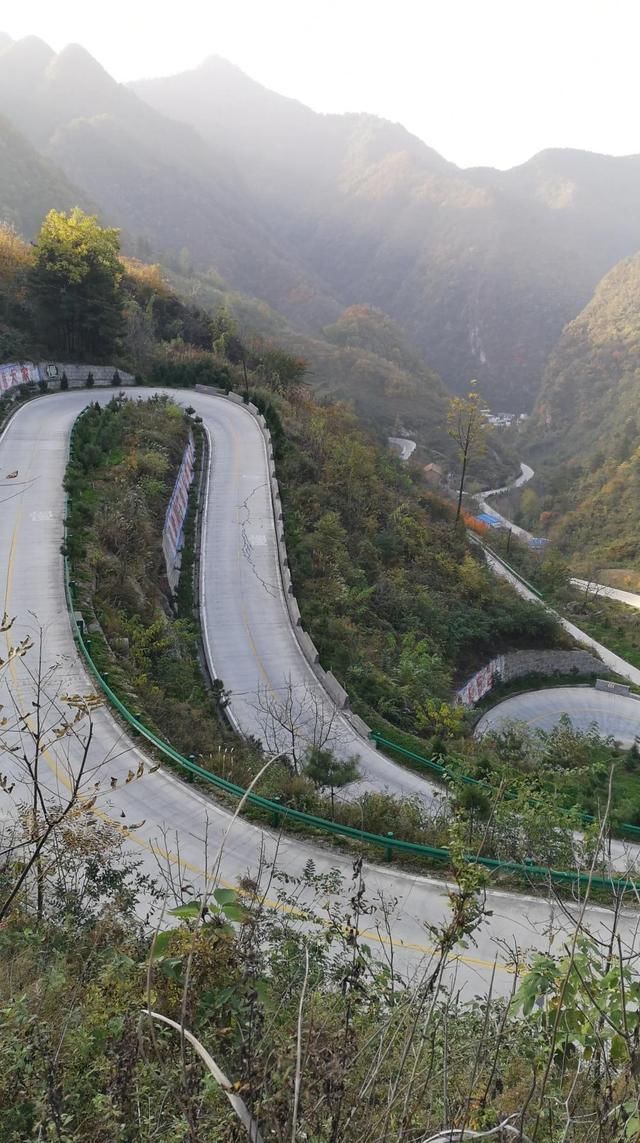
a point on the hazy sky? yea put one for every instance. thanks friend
(482, 81)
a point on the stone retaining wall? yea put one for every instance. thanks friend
(516, 664)
(12, 376)
(77, 374)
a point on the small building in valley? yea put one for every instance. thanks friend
(433, 474)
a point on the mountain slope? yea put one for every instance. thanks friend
(29, 184)
(316, 214)
(585, 432)
(154, 177)
(482, 268)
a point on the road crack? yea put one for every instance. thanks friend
(248, 549)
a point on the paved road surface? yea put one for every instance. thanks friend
(482, 499)
(617, 664)
(631, 598)
(402, 446)
(170, 823)
(616, 715)
(248, 634)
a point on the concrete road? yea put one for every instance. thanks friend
(615, 662)
(615, 715)
(526, 472)
(631, 598)
(170, 825)
(248, 636)
(402, 446)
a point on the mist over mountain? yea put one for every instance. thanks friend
(315, 214)
(154, 177)
(482, 268)
(30, 185)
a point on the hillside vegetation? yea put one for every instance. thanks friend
(135, 316)
(30, 185)
(585, 434)
(314, 1032)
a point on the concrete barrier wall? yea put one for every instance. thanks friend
(337, 692)
(614, 688)
(12, 376)
(515, 664)
(77, 374)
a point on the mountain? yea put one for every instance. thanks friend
(29, 184)
(284, 146)
(481, 268)
(316, 214)
(154, 177)
(585, 431)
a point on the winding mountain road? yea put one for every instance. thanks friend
(248, 636)
(526, 473)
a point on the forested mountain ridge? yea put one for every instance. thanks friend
(482, 268)
(585, 431)
(313, 214)
(152, 176)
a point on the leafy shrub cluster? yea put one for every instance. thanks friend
(321, 1038)
(398, 603)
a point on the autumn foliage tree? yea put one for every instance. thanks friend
(74, 285)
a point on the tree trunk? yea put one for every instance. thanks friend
(462, 477)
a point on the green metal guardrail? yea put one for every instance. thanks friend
(277, 810)
(437, 768)
(513, 571)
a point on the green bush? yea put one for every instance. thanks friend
(188, 374)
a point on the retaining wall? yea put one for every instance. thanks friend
(13, 375)
(77, 374)
(516, 664)
(176, 514)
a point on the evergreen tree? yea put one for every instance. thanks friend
(330, 773)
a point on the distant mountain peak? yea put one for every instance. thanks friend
(30, 52)
(77, 61)
(219, 63)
